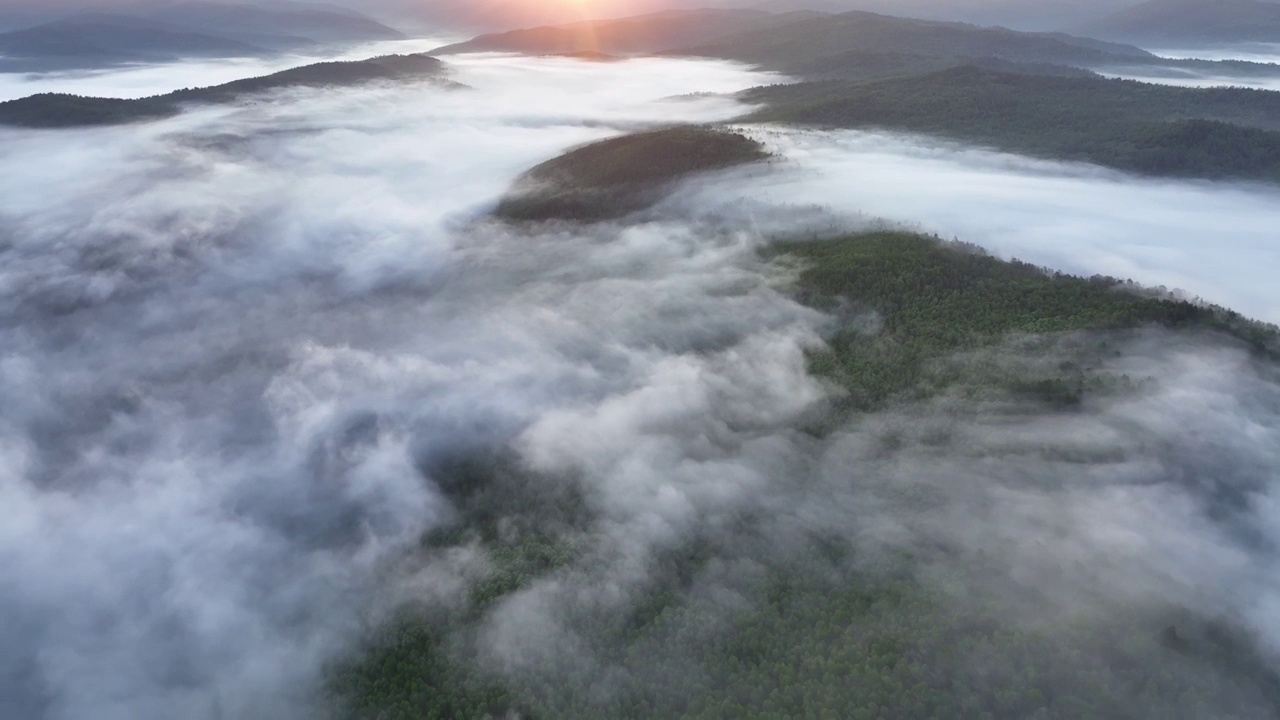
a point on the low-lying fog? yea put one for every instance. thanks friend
(1225, 77)
(1183, 77)
(235, 343)
(232, 338)
(144, 80)
(1252, 52)
(1212, 240)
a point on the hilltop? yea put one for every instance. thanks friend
(52, 110)
(615, 177)
(171, 31)
(641, 35)
(1122, 124)
(846, 46)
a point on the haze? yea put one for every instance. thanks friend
(296, 423)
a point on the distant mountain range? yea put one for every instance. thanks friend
(1123, 124)
(856, 45)
(848, 46)
(1192, 22)
(1020, 14)
(800, 45)
(643, 34)
(56, 110)
(178, 30)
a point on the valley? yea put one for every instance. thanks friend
(711, 363)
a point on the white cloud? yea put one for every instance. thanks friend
(1212, 240)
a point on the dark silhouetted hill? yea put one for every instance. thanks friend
(51, 110)
(1123, 124)
(645, 34)
(616, 177)
(798, 45)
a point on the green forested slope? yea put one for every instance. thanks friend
(618, 176)
(934, 300)
(833, 628)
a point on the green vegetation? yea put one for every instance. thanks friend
(934, 300)
(1131, 126)
(615, 177)
(59, 110)
(859, 645)
(831, 626)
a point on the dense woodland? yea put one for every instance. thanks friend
(54, 110)
(933, 300)
(615, 177)
(1123, 124)
(829, 629)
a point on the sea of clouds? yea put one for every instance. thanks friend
(236, 344)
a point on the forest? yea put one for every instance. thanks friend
(619, 176)
(827, 626)
(55, 110)
(1122, 124)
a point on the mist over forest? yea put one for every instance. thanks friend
(816, 360)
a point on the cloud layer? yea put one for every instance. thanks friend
(234, 339)
(1212, 240)
(143, 80)
(241, 344)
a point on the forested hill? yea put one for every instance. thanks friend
(846, 46)
(789, 40)
(860, 45)
(826, 623)
(618, 176)
(1127, 125)
(799, 45)
(51, 110)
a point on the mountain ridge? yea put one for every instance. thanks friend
(56, 110)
